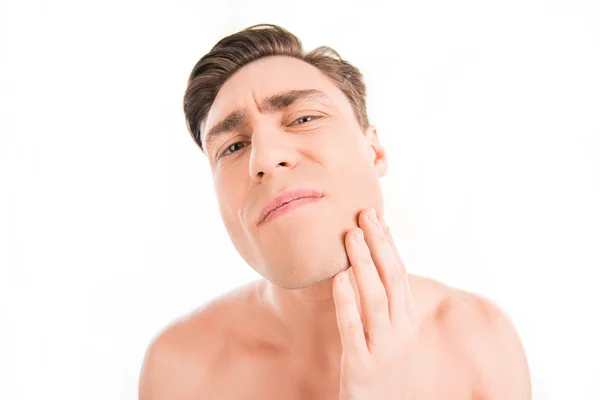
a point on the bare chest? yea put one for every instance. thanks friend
(438, 375)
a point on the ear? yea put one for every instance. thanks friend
(380, 162)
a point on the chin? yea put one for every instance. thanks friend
(306, 268)
(299, 258)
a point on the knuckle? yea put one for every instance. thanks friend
(379, 237)
(353, 326)
(378, 302)
(395, 280)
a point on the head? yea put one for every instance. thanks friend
(272, 118)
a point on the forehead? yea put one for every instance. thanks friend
(268, 76)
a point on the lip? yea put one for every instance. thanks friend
(287, 197)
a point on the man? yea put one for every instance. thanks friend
(296, 164)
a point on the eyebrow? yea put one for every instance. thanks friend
(272, 104)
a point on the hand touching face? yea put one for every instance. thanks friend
(378, 351)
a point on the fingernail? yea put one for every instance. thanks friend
(359, 237)
(372, 216)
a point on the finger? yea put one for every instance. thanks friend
(348, 318)
(374, 302)
(384, 260)
(408, 306)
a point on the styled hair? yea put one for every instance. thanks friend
(233, 52)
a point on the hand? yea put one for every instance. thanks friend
(378, 351)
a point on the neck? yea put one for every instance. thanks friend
(308, 319)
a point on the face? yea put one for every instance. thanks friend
(291, 142)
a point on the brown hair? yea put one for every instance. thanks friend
(255, 42)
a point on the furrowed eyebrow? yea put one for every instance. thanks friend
(231, 122)
(271, 104)
(282, 101)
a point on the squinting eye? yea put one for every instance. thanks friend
(228, 150)
(309, 117)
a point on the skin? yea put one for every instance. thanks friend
(333, 317)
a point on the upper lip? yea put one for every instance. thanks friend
(286, 197)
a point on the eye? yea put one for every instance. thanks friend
(306, 118)
(231, 149)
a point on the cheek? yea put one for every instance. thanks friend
(235, 227)
(350, 161)
(230, 198)
(357, 178)
(345, 145)
(231, 194)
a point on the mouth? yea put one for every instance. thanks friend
(288, 201)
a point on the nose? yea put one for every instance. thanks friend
(271, 154)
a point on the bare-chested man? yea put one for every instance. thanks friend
(296, 166)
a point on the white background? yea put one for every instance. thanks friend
(109, 227)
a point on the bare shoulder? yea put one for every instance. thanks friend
(485, 336)
(184, 357)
